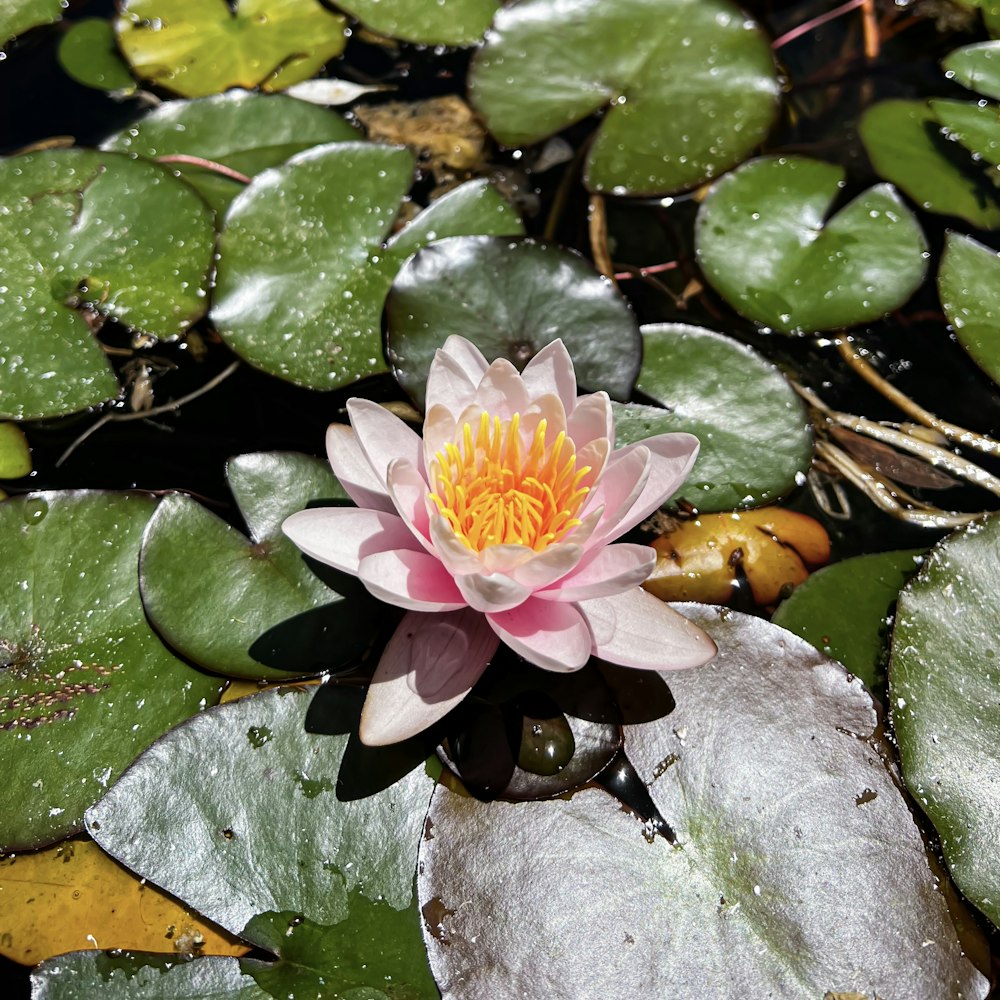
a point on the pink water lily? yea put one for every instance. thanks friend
(499, 524)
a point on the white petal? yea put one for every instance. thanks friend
(449, 384)
(551, 371)
(617, 491)
(428, 667)
(353, 470)
(383, 437)
(639, 630)
(501, 391)
(467, 356)
(439, 430)
(457, 557)
(552, 636)
(604, 572)
(342, 536)
(491, 592)
(591, 418)
(549, 565)
(409, 494)
(412, 580)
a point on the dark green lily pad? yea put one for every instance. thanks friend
(15, 455)
(904, 142)
(201, 47)
(510, 298)
(88, 52)
(271, 850)
(244, 131)
(17, 16)
(86, 685)
(796, 859)
(756, 441)
(309, 310)
(690, 88)
(440, 22)
(976, 126)
(843, 610)
(258, 610)
(968, 284)
(99, 229)
(976, 67)
(768, 243)
(944, 687)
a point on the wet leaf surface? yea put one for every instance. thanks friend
(689, 89)
(201, 47)
(259, 610)
(755, 438)
(944, 684)
(86, 685)
(17, 16)
(244, 131)
(769, 771)
(976, 67)
(812, 267)
(310, 310)
(975, 125)
(443, 22)
(510, 298)
(15, 455)
(843, 609)
(89, 53)
(79, 228)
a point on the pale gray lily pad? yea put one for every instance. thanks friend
(944, 688)
(309, 310)
(85, 684)
(439, 22)
(688, 89)
(756, 440)
(798, 871)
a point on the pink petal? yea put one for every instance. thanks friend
(428, 667)
(412, 580)
(457, 557)
(604, 572)
(491, 592)
(439, 430)
(595, 454)
(591, 418)
(449, 384)
(671, 458)
(383, 437)
(353, 470)
(639, 630)
(549, 565)
(617, 490)
(342, 536)
(548, 408)
(551, 371)
(467, 356)
(552, 636)
(409, 493)
(501, 391)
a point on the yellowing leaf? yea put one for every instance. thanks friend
(72, 896)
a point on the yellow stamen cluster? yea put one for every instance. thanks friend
(492, 492)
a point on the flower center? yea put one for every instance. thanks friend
(493, 491)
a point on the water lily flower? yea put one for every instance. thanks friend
(499, 525)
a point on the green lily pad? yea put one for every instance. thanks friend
(201, 47)
(976, 67)
(844, 610)
(271, 850)
(98, 229)
(510, 299)
(88, 52)
(690, 88)
(967, 283)
(17, 16)
(756, 441)
(768, 244)
(309, 310)
(944, 689)
(975, 126)
(258, 611)
(797, 862)
(442, 22)
(15, 455)
(86, 685)
(244, 131)
(904, 142)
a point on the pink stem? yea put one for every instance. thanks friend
(790, 36)
(643, 271)
(197, 161)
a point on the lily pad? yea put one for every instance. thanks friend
(15, 455)
(443, 22)
(967, 283)
(201, 47)
(510, 299)
(976, 67)
(78, 228)
(768, 243)
(904, 142)
(258, 611)
(88, 52)
(339, 907)
(309, 311)
(17, 16)
(86, 685)
(845, 610)
(244, 131)
(756, 441)
(797, 862)
(944, 689)
(975, 125)
(689, 88)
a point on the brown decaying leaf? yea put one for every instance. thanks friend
(889, 462)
